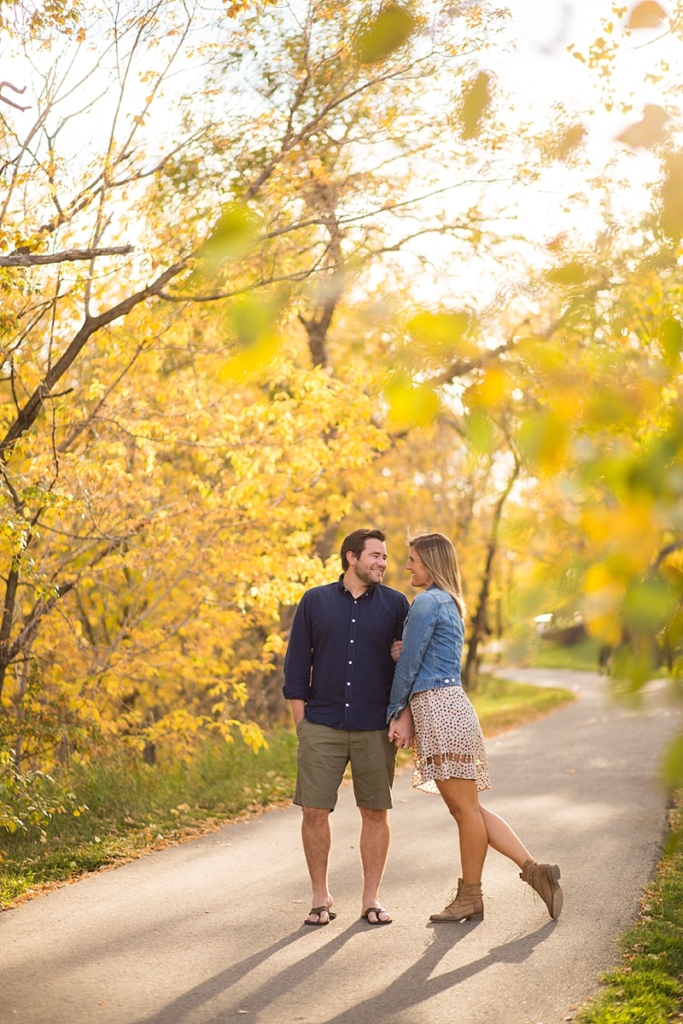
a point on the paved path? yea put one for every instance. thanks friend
(210, 932)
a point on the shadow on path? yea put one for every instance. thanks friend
(414, 986)
(178, 1010)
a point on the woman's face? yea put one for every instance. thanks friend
(420, 577)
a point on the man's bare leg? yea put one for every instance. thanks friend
(374, 847)
(317, 840)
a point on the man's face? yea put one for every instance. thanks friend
(372, 564)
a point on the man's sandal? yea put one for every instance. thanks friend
(376, 911)
(320, 911)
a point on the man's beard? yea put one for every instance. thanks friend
(364, 575)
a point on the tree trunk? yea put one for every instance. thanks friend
(479, 619)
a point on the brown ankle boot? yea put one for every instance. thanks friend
(467, 905)
(545, 879)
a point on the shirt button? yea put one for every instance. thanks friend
(350, 663)
(348, 684)
(352, 641)
(353, 620)
(347, 705)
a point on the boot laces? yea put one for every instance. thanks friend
(452, 897)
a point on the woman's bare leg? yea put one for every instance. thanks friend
(460, 796)
(503, 839)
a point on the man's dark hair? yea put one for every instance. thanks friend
(355, 543)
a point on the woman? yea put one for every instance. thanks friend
(429, 705)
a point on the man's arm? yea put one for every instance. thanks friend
(298, 707)
(299, 660)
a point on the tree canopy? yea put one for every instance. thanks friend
(243, 249)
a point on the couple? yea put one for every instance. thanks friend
(343, 689)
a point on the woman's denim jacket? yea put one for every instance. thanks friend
(432, 648)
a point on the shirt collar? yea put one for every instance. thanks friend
(368, 593)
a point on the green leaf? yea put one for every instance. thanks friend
(480, 432)
(233, 230)
(572, 273)
(390, 30)
(648, 604)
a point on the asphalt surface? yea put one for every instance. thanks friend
(211, 931)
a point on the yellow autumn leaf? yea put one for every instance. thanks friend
(647, 14)
(493, 386)
(476, 101)
(411, 405)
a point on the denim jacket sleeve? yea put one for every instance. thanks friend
(418, 630)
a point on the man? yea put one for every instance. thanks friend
(338, 673)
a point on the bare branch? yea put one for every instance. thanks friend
(6, 99)
(665, 552)
(22, 259)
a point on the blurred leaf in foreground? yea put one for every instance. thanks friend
(602, 598)
(671, 219)
(390, 30)
(633, 664)
(480, 432)
(252, 322)
(646, 133)
(411, 405)
(648, 14)
(572, 273)
(648, 604)
(233, 230)
(474, 105)
(543, 439)
(439, 334)
(570, 141)
(490, 389)
(671, 337)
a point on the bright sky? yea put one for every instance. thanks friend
(537, 70)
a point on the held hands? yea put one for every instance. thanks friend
(401, 729)
(396, 649)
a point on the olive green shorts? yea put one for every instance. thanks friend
(321, 761)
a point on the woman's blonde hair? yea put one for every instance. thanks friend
(438, 556)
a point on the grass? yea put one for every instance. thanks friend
(582, 656)
(502, 705)
(134, 809)
(647, 987)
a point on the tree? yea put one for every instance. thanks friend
(149, 403)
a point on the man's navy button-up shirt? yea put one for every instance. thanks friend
(339, 655)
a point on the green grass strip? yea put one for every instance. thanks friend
(582, 657)
(647, 987)
(502, 705)
(133, 808)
